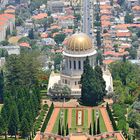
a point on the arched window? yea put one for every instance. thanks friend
(79, 64)
(74, 63)
(70, 63)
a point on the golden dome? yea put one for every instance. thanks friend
(79, 42)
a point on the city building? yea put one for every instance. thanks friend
(56, 6)
(7, 22)
(11, 49)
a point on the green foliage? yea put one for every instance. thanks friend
(47, 117)
(77, 16)
(3, 53)
(13, 121)
(138, 33)
(4, 43)
(90, 130)
(14, 32)
(93, 85)
(24, 128)
(21, 94)
(119, 110)
(57, 61)
(94, 128)
(59, 91)
(99, 58)
(67, 130)
(98, 126)
(31, 34)
(63, 133)
(1, 84)
(45, 107)
(128, 18)
(126, 72)
(111, 117)
(18, 21)
(98, 38)
(59, 38)
(24, 39)
(59, 128)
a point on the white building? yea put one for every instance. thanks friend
(11, 49)
(77, 48)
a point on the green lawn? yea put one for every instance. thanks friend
(93, 116)
(74, 127)
(102, 123)
(85, 118)
(55, 127)
(1, 106)
(73, 123)
(65, 117)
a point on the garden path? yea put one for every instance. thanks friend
(89, 116)
(106, 119)
(52, 120)
(69, 117)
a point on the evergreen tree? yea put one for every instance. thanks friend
(93, 85)
(128, 18)
(59, 128)
(5, 117)
(63, 133)
(67, 130)
(1, 125)
(13, 122)
(94, 128)
(1, 84)
(90, 130)
(98, 126)
(25, 130)
(31, 34)
(98, 38)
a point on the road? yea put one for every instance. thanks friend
(87, 20)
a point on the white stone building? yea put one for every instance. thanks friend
(77, 48)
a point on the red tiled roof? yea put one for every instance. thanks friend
(123, 34)
(40, 16)
(109, 61)
(25, 44)
(136, 8)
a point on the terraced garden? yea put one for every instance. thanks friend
(63, 117)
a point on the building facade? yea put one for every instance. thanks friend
(77, 48)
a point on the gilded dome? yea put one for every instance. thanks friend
(79, 42)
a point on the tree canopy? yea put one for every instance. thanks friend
(93, 85)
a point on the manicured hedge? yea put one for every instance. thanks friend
(111, 117)
(47, 117)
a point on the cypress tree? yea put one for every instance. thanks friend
(63, 133)
(93, 85)
(94, 128)
(111, 117)
(25, 130)
(98, 126)
(59, 128)
(13, 122)
(67, 130)
(90, 130)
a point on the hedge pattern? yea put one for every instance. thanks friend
(47, 117)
